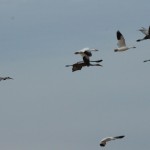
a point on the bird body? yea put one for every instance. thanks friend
(107, 139)
(121, 43)
(146, 32)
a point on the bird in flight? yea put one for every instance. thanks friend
(121, 43)
(80, 64)
(146, 32)
(5, 78)
(86, 53)
(107, 139)
(146, 60)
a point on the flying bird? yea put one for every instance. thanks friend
(107, 139)
(86, 53)
(146, 32)
(80, 64)
(5, 78)
(121, 43)
(146, 60)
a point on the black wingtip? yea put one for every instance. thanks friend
(102, 145)
(120, 137)
(119, 35)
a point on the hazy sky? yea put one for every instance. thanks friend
(46, 106)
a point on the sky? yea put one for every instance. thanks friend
(47, 106)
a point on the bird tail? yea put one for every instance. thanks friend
(119, 137)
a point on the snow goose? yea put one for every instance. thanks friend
(121, 43)
(146, 32)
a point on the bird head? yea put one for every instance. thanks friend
(115, 50)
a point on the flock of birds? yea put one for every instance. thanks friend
(86, 53)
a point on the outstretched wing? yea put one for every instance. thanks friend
(119, 137)
(144, 31)
(121, 40)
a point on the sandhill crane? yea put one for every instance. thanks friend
(5, 78)
(121, 43)
(107, 139)
(80, 64)
(146, 32)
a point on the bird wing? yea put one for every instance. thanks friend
(119, 137)
(107, 139)
(144, 30)
(121, 40)
(78, 66)
(84, 49)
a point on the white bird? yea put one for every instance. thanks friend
(121, 43)
(146, 32)
(5, 78)
(86, 53)
(107, 139)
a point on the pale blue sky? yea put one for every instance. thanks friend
(47, 106)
